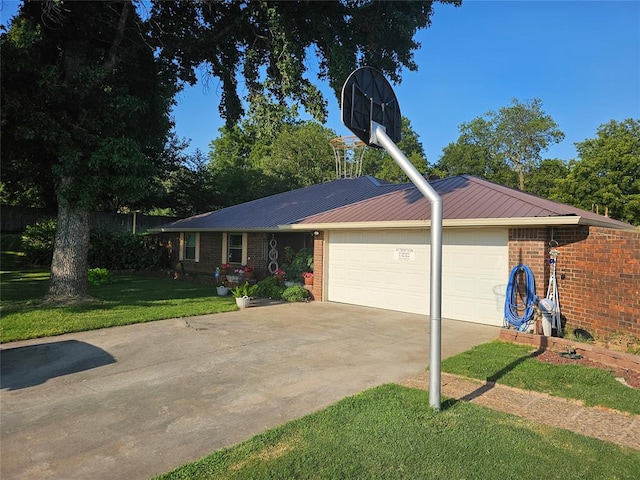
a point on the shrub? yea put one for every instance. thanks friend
(107, 249)
(269, 288)
(37, 242)
(296, 293)
(298, 263)
(98, 276)
(124, 251)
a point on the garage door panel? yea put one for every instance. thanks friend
(392, 270)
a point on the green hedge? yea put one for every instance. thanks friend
(107, 249)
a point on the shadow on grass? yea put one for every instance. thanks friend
(491, 380)
(23, 367)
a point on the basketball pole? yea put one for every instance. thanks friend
(379, 137)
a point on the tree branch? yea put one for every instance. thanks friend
(111, 57)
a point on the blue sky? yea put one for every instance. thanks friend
(581, 58)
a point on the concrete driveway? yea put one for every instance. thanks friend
(136, 401)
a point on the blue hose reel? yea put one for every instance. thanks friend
(518, 310)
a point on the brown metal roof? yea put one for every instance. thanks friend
(463, 197)
(286, 208)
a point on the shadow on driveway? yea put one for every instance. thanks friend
(23, 367)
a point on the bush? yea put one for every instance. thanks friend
(296, 293)
(107, 249)
(37, 242)
(269, 288)
(297, 263)
(124, 251)
(98, 276)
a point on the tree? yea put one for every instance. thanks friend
(515, 136)
(472, 154)
(267, 44)
(545, 178)
(191, 187)
(85, 104)
(87, 85)
(378, 163)
(607, 172)
(300, 156)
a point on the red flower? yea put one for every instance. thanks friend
(247, 268)
(307, 274)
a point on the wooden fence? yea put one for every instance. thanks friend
(15, 220)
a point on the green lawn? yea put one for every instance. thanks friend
(513, 365)
(390, 432)
(129, 299)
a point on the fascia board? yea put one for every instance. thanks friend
(466, 222)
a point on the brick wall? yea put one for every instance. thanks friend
(597, 271)
(318, 266)
(529, 246)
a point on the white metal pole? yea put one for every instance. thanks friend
(379, 137)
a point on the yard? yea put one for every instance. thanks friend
(385, 432)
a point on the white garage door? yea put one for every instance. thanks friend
(390, 269)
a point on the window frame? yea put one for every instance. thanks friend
(184, 236)
(226, 246)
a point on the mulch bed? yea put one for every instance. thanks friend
(630, 377)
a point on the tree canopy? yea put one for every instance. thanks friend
(607, 173)
(380, 164)
(513, 137)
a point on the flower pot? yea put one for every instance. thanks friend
(308, 280)
(249, 274)
(222, 290)
(243, 302)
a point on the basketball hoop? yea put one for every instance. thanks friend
(348, 152)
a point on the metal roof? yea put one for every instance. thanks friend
(467, 201)
(285, 208)
(464, 197)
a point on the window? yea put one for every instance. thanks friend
(234, 248)
(190, 246)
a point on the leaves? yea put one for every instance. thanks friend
(512, 138)
(607, 173)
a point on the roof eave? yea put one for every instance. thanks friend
(458, 223)
(217, 229)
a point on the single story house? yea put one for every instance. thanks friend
(370, 240)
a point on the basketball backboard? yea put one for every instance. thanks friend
(368, 97)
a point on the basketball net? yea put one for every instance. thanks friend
(348, 152)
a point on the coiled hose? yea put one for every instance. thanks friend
(511, 305)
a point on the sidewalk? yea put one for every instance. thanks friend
(605, 424)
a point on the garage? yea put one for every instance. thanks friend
(390, 269)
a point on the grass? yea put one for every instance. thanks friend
(513, 365)
(389, 432)
(129, 299)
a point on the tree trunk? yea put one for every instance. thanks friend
(521, 178)
(68, 280)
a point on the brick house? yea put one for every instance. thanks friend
(371, 247)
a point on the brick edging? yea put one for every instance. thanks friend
(598, 354)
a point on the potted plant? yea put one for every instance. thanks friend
(224, 268)
(236, 276)
(222, 289)
(248, 271)
(243, 293)
(279, 273)
(308, 278)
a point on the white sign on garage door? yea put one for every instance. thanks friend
(390, 269)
